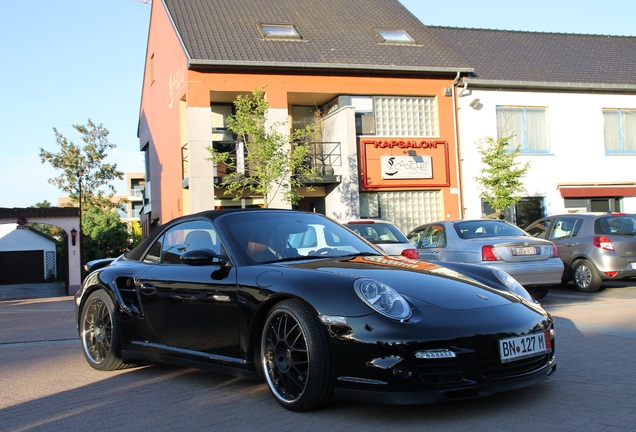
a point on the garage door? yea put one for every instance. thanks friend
(21, 267)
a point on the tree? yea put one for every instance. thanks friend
(268, 165)
(501, 178)
(106, 235)
(85, 162)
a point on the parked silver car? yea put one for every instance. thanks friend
(533, 262)
(593, 246)
(384, 234)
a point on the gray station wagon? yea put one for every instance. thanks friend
(593, 246)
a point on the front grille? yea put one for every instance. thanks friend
(440, 371)
(492, 368)
(466, 367)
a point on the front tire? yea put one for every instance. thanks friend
(296, 358)
(100, 334)
(585, 276)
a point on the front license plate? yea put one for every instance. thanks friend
(529, 250)
(531, 345)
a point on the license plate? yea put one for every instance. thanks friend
(528, 250)
(520, 347)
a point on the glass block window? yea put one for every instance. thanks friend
(406, 116)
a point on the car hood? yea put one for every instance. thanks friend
(426, 284)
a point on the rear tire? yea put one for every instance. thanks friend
(100, 333)
(585, 276)
(296, 357)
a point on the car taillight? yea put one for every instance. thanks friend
(411, 253)
(488, 253)
(604, 243)
(555, 251)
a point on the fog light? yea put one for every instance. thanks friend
(402, 372)
(435, 354)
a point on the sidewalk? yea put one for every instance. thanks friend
(30, 291)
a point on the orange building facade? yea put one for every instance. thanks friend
(389, 143)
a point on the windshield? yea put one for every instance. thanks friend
(271, 236)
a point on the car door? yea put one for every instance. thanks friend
(564, 234)
(191, 307)
(431, 241)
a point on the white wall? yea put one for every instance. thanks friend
(344, 201)
(201, 170)
(577, 150)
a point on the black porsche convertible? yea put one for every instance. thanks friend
(317, 312)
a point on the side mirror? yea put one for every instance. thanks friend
(202, 257)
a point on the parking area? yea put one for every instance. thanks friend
(47, 385)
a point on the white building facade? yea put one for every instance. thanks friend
(574, 165)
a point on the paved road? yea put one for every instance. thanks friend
(45, 384)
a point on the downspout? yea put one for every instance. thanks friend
(460, 199)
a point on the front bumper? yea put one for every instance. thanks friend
(370, 368)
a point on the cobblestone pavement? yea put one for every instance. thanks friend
(46, 385)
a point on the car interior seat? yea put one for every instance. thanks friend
(199, 240)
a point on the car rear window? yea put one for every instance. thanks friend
(615, 224)
(487, 228)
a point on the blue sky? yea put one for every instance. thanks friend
(66, 61)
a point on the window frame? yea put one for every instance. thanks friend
(268, 31)
(522, 142)
(395, 36)
(622, 132)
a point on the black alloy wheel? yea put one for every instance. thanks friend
(99, 332)
(296, 358)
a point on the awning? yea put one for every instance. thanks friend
(588, 191)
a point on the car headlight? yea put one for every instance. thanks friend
(383, 299)
(512, 284)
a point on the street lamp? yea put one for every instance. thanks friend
(80, 173)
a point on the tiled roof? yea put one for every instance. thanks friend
(336, 34)
(571, 60)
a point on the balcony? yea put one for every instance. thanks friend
(325, 157)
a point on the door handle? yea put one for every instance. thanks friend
(147, 289)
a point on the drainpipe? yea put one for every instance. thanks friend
(460, 199)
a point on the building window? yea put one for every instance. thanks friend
(220, 114)
(528, 127)
(395, 36)
(406, 116)
(620, 130)
(596, 204)
(279, 31)
(522, 214)
(185, 167)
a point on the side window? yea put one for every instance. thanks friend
(181, 238)
(435, 237)
(154, 253)
(563, 227)
(540, 230)
(415, 237)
